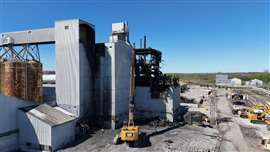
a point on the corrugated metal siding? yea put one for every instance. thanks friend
(67, 65)
(33, 130)
(73, 76)
(63, 134)
(36, 131)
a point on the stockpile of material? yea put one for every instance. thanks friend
(22, 80)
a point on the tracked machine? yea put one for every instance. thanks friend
(130, 133)
(259, 113)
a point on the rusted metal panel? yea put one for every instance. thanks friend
(14, 82)
(34, 81)
(22, 80)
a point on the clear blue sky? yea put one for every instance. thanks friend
(194, 36)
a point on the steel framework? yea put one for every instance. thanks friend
(24, 52)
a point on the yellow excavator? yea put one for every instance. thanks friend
(130, 133)
(267, 121)
(258, 113)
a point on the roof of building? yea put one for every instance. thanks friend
(257, 80)
(48, 114)
(237, 79)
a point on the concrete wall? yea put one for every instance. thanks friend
(8, 125)
(165, 107)
(113, 84)
(86, 90)
(123, 55)
(104, 87)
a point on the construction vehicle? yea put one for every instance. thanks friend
(267, 117)
(243, 113)
(267, 121)
(258, 113)
(129, 132)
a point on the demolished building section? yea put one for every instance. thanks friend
(157, 95)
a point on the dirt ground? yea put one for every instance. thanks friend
(231, 134)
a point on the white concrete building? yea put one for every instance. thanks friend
(165, 107)
(235, 82)
(222, 80)
(256, 83)
(113, 83)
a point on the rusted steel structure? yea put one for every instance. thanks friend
(14, 82)
(21, 71)
(148, 71)
(34, 81)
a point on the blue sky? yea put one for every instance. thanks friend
(194, 36)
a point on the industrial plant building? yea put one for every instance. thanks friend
(235, 82)
(222, 80)
(92, 82)
(255, 83)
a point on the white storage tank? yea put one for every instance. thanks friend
(235, 82)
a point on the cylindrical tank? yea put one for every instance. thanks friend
(22, 80)
(34, 81)
(14, 79)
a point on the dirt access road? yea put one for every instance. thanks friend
(237, 134)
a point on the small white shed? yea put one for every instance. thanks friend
(44, 128)
(235, 82)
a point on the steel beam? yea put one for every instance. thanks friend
(38, 36)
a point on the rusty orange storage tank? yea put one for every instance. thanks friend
(34, 81)
(22, 80)
(14, 81)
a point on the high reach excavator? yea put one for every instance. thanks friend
(130, 133)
